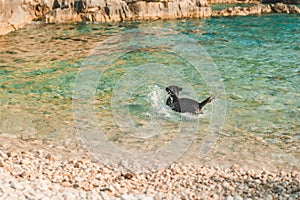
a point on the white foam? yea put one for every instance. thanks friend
(157, 98)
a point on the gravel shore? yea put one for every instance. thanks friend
(32, 173)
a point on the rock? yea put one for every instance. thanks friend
(118, 10)
(232, 1)
(17, 170)
(128, 197)
(282, 1)
(3, 158)
(15, 13)
(237, 197)
(257, 10)
(283, 8)
(227, 186)
(103, 195)
(14, 154)
(50, 157)
(144, 197)
(84, 179)
(127, 175)
(2, 162)
(16, 185)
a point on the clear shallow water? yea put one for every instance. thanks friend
(224, 6)
(257, 56)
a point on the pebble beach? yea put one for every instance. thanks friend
(31, 170)
(251, 153)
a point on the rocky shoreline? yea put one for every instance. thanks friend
(15, 14)
(31, 170)
(258, 9)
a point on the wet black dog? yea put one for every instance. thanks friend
(184, 105)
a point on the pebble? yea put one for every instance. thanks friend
(16, 185)
(50, 157)
(39, 175)
(3, 155)
(2, 162)
(128, 197)
(227, 186)
(237, 197)
(17, 170)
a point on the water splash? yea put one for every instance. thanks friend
(157, 98)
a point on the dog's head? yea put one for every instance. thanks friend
(173, 90)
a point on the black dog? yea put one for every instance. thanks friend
(184, 105)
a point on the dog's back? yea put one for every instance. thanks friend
(184, 105)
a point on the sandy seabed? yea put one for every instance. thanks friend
(35, 170)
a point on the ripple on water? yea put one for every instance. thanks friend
(258, 58)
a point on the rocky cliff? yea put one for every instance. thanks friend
(9, 20)
(252, 1)
(232, 1)
(282, 1)
(16, 13)
(257, 10)
(122, 10)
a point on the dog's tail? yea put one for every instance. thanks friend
(206, 101)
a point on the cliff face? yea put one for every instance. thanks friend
(232, 1)
(282, 1)
(253, 1)
(122, 10)
(12, 15)
(16, 13)
(257, 10)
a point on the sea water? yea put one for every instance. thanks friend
(257, 58)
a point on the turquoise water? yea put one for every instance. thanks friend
(260, 67)
(224, 6)
(257, 58)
